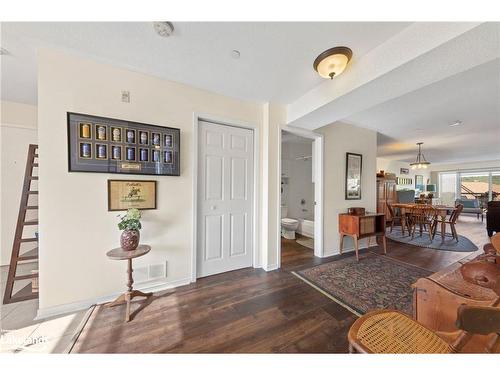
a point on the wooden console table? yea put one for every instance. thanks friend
(120, 254)
(361, 226)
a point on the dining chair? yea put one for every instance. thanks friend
(393, 217)
(452, 220)
(423, 217)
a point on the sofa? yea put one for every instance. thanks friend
(493, 218)
(406, 196)
(471, 206)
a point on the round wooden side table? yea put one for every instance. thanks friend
(121, 254)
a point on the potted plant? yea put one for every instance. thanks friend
(130, 223)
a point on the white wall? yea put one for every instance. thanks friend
(340, 138)
(18, 129)
(77, 229)
(273, 118)
(394, 166)
(299, 173)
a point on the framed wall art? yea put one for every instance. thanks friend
(125, 194)
(353, 176)
(404, 171)
(106, 145)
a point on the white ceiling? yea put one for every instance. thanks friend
(472, 97)
(275, 64)
(408, 81)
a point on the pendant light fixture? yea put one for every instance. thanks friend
(420, 162)
(332, 62)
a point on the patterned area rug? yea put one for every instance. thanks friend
(449, 243)
(375, 282)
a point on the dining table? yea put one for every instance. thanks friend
(441, 210)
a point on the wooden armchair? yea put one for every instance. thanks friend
(390, 331)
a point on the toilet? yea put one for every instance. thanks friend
(288, 226)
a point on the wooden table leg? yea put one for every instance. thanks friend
(127, 309)
(385, 244)
(403, 220)
(356, 246)
(138, 293)
(443, 226)
(341, 242)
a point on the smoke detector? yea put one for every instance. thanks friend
(163, 28)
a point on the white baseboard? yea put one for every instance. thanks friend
(270, 267)
(150, 286)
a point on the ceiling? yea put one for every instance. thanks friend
(275, 64)
(407, 81)
(424, 115)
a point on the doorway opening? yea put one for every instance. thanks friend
(301, 181)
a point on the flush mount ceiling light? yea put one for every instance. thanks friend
(164, 28)
(420, 162)
(332, 62)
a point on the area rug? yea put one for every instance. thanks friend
(307, 242)
(375, 282)
(449, 243)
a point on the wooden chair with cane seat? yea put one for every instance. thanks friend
(390, 331)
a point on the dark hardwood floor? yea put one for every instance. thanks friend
(247, 311)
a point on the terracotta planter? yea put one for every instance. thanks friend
(129, 239)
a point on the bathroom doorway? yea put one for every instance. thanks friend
(301, 191)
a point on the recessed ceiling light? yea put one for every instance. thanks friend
(456, 123)
(3, 51)
(163, 28)
(235, 54)
(332, 62)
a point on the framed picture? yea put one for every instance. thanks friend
(106, 145)
(404, 171)
(353, 176)
(125, 194)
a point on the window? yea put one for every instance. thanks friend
(448, 188)
(482, 185)
(495, 186)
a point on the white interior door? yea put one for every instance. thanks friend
(225, 198)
